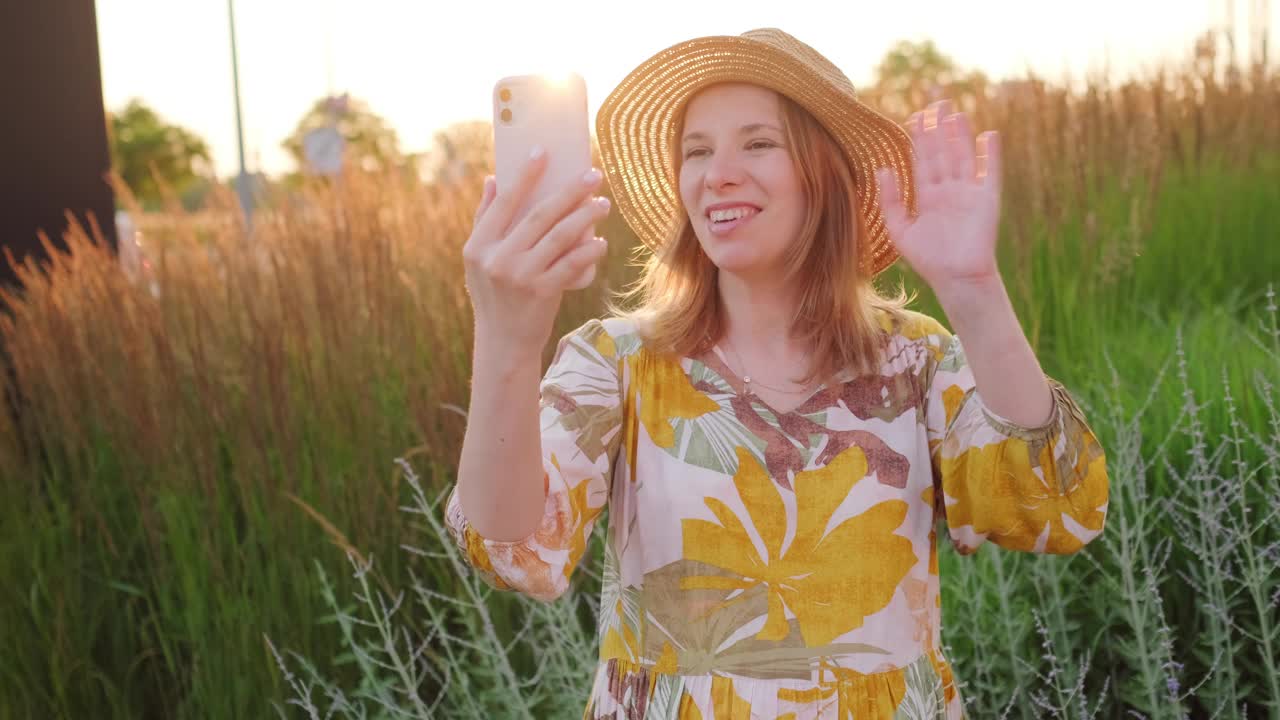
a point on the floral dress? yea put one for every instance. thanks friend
(782, 565)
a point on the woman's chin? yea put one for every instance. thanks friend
(733, 254)
(735, 261)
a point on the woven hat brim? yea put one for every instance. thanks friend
(635, 122)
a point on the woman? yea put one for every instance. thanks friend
(775, 440)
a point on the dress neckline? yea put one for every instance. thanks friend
(734, 381)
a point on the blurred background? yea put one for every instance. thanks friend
(232, 418)
(416, 69)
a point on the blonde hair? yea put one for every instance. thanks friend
(677, 308)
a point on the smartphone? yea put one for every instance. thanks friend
(547, 110)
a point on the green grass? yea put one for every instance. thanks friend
(196, 458)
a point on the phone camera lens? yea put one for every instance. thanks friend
(506, 115)
(505, 95)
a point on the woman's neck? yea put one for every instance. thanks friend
(758, 318)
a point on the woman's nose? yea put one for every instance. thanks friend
(722, 169)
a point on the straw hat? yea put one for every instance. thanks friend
(636, 123)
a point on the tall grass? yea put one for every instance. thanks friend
(1079, 636)
(199, 448)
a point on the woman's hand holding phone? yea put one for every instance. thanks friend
(517, 273)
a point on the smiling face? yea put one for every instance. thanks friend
(738, 180)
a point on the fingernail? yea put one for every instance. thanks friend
(592, 176)
(536, 152)
(603, 202)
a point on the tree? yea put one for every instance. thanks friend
(371, 143)
(912, 75)
(142, 142)
(460, 152)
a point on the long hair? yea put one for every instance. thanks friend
(676, 303)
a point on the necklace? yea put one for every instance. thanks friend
(746, 377)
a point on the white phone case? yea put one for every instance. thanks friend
(545, 110)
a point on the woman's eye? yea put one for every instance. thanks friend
(752, 146)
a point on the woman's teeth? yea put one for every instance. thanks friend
(727, 222)
(733, 214)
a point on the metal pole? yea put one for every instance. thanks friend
(246, 198)
(328, 48)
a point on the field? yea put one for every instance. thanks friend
(205, 450)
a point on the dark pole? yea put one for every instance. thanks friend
(55, 140)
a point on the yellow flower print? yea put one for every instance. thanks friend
(668, 662)
(1014, 503)
(665, 393)
(624, 645)
(479, 557)
(582, 514)
(605, 345)
(952, 397)
(828, 593)
(688, 708)
(725, 701)
(851, 695)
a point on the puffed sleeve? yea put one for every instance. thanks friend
(1035, 489)
(580, 414)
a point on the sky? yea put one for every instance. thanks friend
(424, 64)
